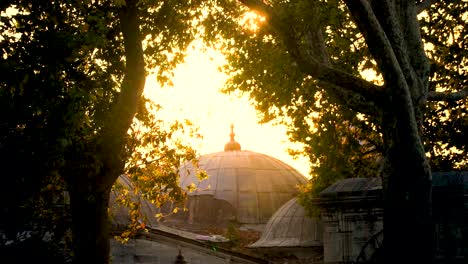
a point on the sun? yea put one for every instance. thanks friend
(252, 21)
(195, 95)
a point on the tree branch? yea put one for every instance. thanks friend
(400, 107)
(338, 79)
(403, 40)
(399, 22)
(123, 111)
(377, 145)
(379, 45)
(314, 40)
(353, 100)
(415, 50)
(448, 96)
(373, 150)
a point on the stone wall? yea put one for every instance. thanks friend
(352, 215)
(351, 212)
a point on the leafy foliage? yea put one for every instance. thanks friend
(65, 68)
(390, 106)
(338, 143)
(157, 149)
(444, 30)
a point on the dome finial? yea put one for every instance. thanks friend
(232, 132)
(232, 145)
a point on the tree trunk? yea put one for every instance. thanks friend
(408, 230)
(89, 190)
(90, 225)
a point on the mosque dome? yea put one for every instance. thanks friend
(119, 214)
(291, 227)
(243, 186)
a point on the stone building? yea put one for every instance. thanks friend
(257, 191)
(161, 244)
(352, 216)
(243, 187)
(450, 213)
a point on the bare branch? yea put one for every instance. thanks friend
(398, 89)
(338, 79)
(316, 46)
(405, 41)
(314, 39)
(419, 64)
(448, 96)
(379, 44)
(424, 5)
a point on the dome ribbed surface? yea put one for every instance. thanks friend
(291, 227)
(119, 214)
(254, 184)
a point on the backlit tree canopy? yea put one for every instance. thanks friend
(364, 78)
(444, 31)
(357, 81)
(72, 77)
(338, 142)
(281, 92)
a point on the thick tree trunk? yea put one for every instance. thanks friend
(89, 191)
(90, 198)
(408, 230)
(392, 35)
(90, 225)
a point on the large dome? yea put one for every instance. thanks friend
(242, 185)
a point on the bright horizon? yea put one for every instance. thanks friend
(196, 96)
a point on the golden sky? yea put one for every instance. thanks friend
(196, 96)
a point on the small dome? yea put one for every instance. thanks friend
(119, 214)
(291, 227)
(243, 185)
